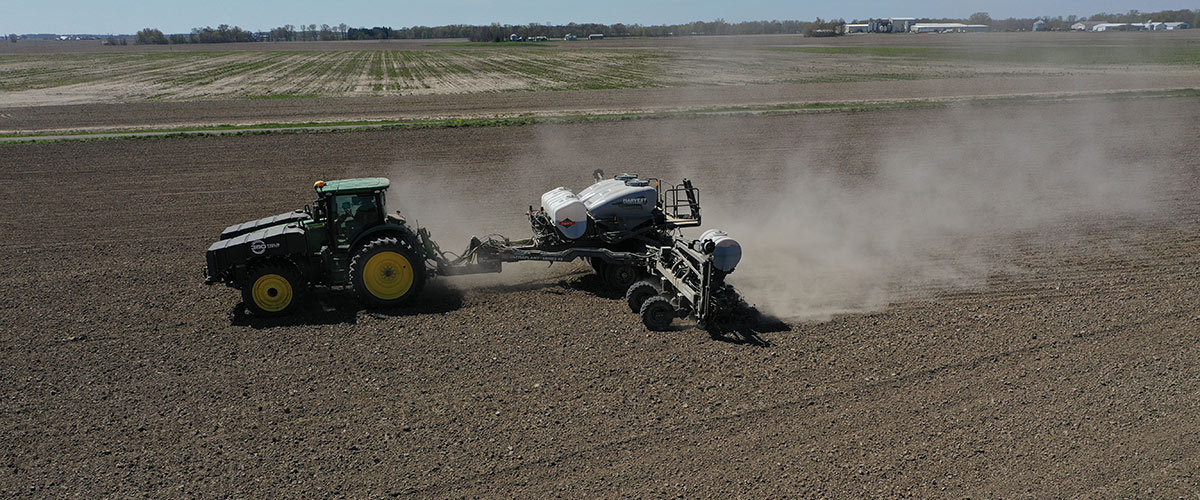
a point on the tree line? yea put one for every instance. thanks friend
(498, 32)
(494, 32)
(229, 34)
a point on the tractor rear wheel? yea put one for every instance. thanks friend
(657, 313)
(385, 273)
(272, 289)
(638, 294)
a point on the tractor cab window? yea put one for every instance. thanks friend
(317, 210)
(355, 213)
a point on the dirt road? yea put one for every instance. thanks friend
(1071, 371)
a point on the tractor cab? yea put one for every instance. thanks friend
(345, 209)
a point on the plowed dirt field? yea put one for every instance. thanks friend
(1068, 367)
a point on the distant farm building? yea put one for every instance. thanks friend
(1147, 26)
(948, 28)
(1161, 26)
(1084, 25)
(1040, 25)
(898, 24)
(910, 25)
(888, 25)
(596, 36)
(570, 37)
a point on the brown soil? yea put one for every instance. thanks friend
(124, 376)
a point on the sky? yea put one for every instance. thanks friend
(123, 16)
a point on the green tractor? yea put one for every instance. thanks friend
(346, 240)
(343, 239)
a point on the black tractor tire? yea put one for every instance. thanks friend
(385, 272)
(620, 276)
(273, 289)
(638, 294)
(657, 313)
(597, 265)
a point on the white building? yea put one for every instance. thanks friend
(1112, 27)
(948, 28)
(1039, 25)
(855, 28)
(1177, 26)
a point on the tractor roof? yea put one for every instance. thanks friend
(368, 184)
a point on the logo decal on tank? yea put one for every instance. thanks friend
(566, 223)
(259, 246)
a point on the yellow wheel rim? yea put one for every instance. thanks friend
(388, 275)
(272, 292)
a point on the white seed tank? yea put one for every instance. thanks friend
(567, 212)
(622, 202)
(727, 252)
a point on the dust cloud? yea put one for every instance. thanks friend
(934, 206)
(846, 212)
(456, 207)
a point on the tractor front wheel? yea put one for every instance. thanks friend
(386, 273)
(272, 289)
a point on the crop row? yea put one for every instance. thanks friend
(398, 72)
